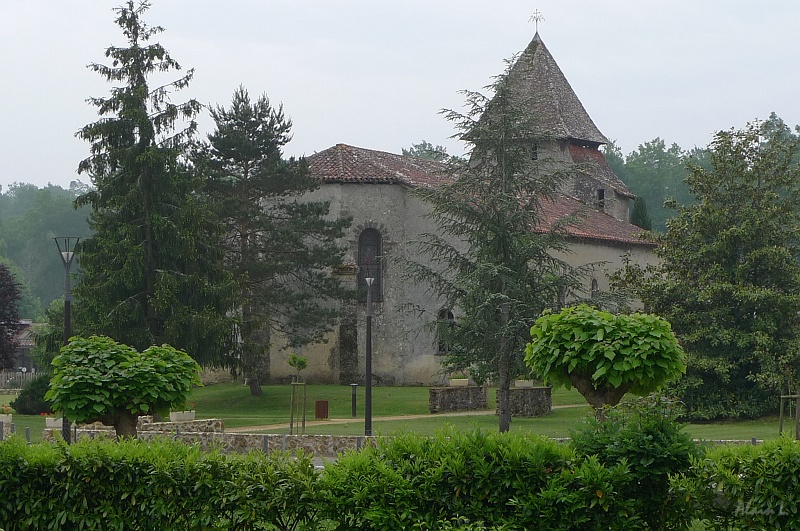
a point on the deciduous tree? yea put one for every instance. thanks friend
(96, 379)
(426, 150)
(604, 356)
(730, 278)
(657, 172)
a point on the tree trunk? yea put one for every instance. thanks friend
(125, 424)
(606, 396)
(504, 376)
(255, 385)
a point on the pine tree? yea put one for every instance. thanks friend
(152, 273)
(280, 245)
(494, 261)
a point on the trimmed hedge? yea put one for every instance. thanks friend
(159, 485)
(508, 481)
(745, 487)
(454, 480)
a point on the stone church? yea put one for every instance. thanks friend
(374, 187)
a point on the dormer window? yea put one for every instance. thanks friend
(601, 198)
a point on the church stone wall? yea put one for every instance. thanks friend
(403, 346)
(609, 258)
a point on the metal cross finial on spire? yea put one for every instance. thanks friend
(536, 18)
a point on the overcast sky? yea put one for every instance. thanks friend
(375, 73)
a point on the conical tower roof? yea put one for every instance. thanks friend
(540, 88)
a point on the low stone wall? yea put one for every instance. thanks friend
(530, 401)
(319, 446)
(210, 434)
(468, 398)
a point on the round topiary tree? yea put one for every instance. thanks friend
(97, 379)
(604, 355)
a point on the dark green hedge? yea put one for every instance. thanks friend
(510, 481)
(745, 487)
(162, 486)
(454, 480)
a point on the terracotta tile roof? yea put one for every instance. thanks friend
(591, 224)
(540, 88)
(24, 333)
(349, 164)
(597, 166)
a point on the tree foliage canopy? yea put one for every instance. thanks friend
(426, 150)
(280, 244)
(9, 317)
(604, 355)
(492, 261)
(152, 273)
(29, 218)
(98, 379)
(730, 279)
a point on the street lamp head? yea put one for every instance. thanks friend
(369, 281)
(66, 248)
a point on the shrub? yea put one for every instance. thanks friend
(484, 480)
(30, 400)
(165, 485)
(643, 434)
(745, 487)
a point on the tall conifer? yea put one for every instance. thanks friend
(152, 272)
(280, 244)
(494, 260)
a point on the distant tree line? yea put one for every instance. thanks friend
(658, 175)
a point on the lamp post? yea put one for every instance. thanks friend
(66, 250)
(368, 378)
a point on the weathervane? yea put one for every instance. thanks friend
(536, 18)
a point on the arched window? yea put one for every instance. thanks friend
(561, 301)
(595, 288)
(369, 262)
(445, 322)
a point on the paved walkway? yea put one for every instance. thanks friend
(285, 425)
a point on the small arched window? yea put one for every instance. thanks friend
(561, 301)
(595, 289)
(369, 262)
(444, 323)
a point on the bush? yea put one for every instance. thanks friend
(745, 487)
(165, 485)
(498, 481)
(30, 400)
(627, 473)
(643, 434)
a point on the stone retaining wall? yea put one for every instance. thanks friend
(468, 398)
(530, 401)
(210, 434)
(319, 446)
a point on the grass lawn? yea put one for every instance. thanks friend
(233, 403)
